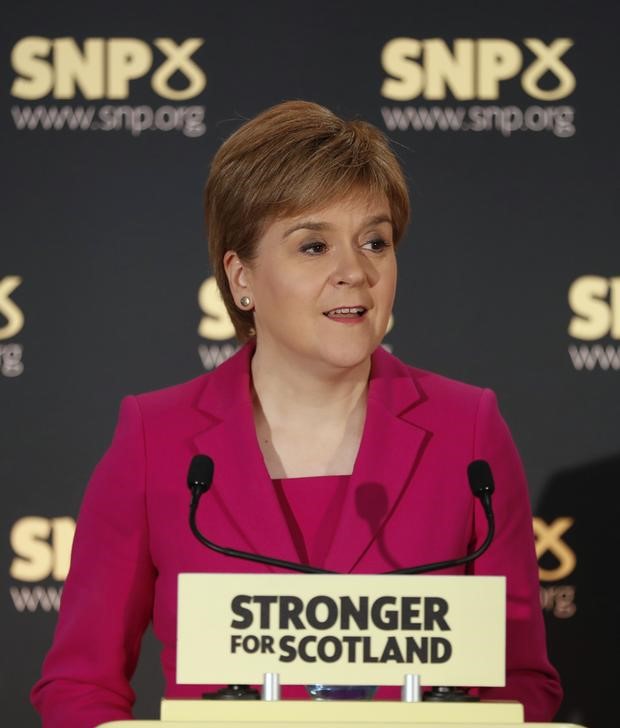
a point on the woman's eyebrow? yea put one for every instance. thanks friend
(306, 225)
(377, 219)
(318, 226)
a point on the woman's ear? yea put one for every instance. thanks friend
(238, 278)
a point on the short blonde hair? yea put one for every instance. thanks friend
(287, 160)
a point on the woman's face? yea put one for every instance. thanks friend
(322, 283)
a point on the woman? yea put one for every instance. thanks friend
(327, 449)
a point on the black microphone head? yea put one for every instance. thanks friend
(480, 478)
(200, 474)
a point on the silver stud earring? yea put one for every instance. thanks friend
(245, 301)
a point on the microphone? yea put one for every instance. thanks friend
(200, 477)
(481, 481)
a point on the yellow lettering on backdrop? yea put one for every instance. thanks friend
(593, 315)
(178, 59)
(548, 59)
(36, 558)
(36, 77)
(498, 60)
(216, 323)
(79, 69)
(128, 58)
(9, 309)
(397, 60)
(549, 538)
(445, 68)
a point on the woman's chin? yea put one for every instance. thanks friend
(346, 357)
(317, 352)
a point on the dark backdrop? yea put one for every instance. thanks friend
(509, 273)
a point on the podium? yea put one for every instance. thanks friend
(336, 714)
(373, 630)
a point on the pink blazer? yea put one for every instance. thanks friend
(408, 502)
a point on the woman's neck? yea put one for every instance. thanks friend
(293, 389)
(309, 420)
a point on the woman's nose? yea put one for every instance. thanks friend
(350, 268)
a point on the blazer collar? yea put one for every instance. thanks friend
(389, 452)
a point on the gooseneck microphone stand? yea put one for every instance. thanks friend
(200, 478)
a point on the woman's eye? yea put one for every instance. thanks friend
(314, 248)
(376, 245)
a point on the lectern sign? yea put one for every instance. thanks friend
(366, 630)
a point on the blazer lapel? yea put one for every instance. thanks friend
(241, 487)
(390, 450)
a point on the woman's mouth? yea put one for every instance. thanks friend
(346, 313)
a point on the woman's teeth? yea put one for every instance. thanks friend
(342, 312)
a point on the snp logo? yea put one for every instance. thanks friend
(102, 68)
(11, 364)
(549, 539)
(595, 304)
(215, 326)
(42, 550)
(473, 69)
